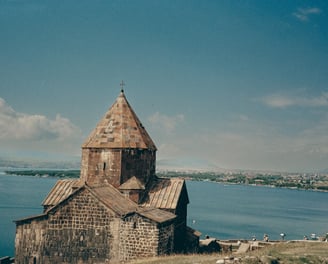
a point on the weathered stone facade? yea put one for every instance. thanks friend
(146, 238)
(116, 166)
(81, 230)
(117, 211)
(28, 240)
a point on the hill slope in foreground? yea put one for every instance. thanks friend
(286, 252)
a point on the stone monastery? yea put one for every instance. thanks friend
(117, 210)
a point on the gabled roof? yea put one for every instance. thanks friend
(51, 209)
(132, 184)
(114, 200)
(120, 128)
(157, 215)
(165, 193)
(121, 205)
(108, 195)
(61, 190)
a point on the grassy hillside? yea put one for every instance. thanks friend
(292, 252)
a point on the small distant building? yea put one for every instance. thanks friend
(118, 210)
(209, 245)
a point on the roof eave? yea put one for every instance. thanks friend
(30, 218)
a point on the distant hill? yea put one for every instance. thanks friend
(324, 171)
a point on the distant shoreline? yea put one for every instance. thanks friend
(267, 186)
(269, 181)
(45, 173)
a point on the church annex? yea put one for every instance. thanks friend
(118, 210)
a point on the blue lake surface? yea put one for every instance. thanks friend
(222, 211)
(240, 211)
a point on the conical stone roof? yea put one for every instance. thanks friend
(120, 128)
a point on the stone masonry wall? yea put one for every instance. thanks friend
(181, 224)
(116, 166)
(166, 239)
(138, 162)
(100, 165)
(84, 165)
(28, 241)
(82, 230)
(139, 237)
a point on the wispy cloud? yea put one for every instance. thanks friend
(243, 117)
(303, 14)
(168, 123)
(21, 126)
(261, 146)
(283, 101)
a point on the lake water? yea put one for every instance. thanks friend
(222, 211)
(240, 211)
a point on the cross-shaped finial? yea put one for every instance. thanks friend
(122, 84)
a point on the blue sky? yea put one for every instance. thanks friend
(217, 84)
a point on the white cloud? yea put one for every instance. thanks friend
(269, 150)
(255, 144)
(168, 123)
(245, 142)
(303, 14)
(169, 150)
(22, 126)
(243, 117)
(277, 101)
(281, 101)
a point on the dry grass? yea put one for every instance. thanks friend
(295, 252)
(180, 259)
(292, 252)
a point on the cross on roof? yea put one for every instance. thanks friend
(122, 84)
